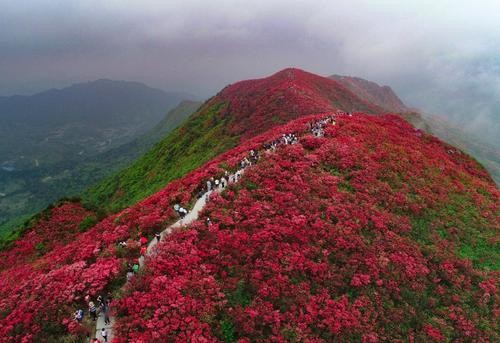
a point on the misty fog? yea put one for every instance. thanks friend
(440, 56)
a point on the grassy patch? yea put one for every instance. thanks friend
(241, 296)
(460, 222)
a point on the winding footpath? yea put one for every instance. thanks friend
(190, 217)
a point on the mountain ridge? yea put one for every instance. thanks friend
(382, 96)
(236, 113)
(79, 94)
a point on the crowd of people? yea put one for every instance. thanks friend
(101, 306)
(317, 127)
(227, 178)
(181, 211)
(285, 139)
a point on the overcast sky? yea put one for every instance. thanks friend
(441, 56)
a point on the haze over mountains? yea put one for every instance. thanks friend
(76, 136)
(57, 143)
(384, 96)
(80, 120)
(338, 183)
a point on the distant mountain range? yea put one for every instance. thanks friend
(78, 121)
(57, 143)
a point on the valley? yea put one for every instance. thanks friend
(46, 155)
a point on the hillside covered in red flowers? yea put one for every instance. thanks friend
(237, 113)
(254, 106)
(373, 232)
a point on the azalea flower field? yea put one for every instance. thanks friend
(255, 106)
(336, 238)
(374, 232)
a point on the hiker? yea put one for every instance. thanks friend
(79, 315)
(104, 334)
(135, 268)
(208, 222)
(100, 300)
(209, 186)
(107, 321)
(176, 208)
(158, 237)
(182, 212)
(200, 194)
(217, 182)
(87, 299)
(104, 306)
(144, 250)
(254, 156)
(107, 304)
(123, 244)
(143, 240)
(223, 182)
(92, 311)
(130, 275)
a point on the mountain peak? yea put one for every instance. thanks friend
(379, 95)
(291, 73)
(253, 106)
